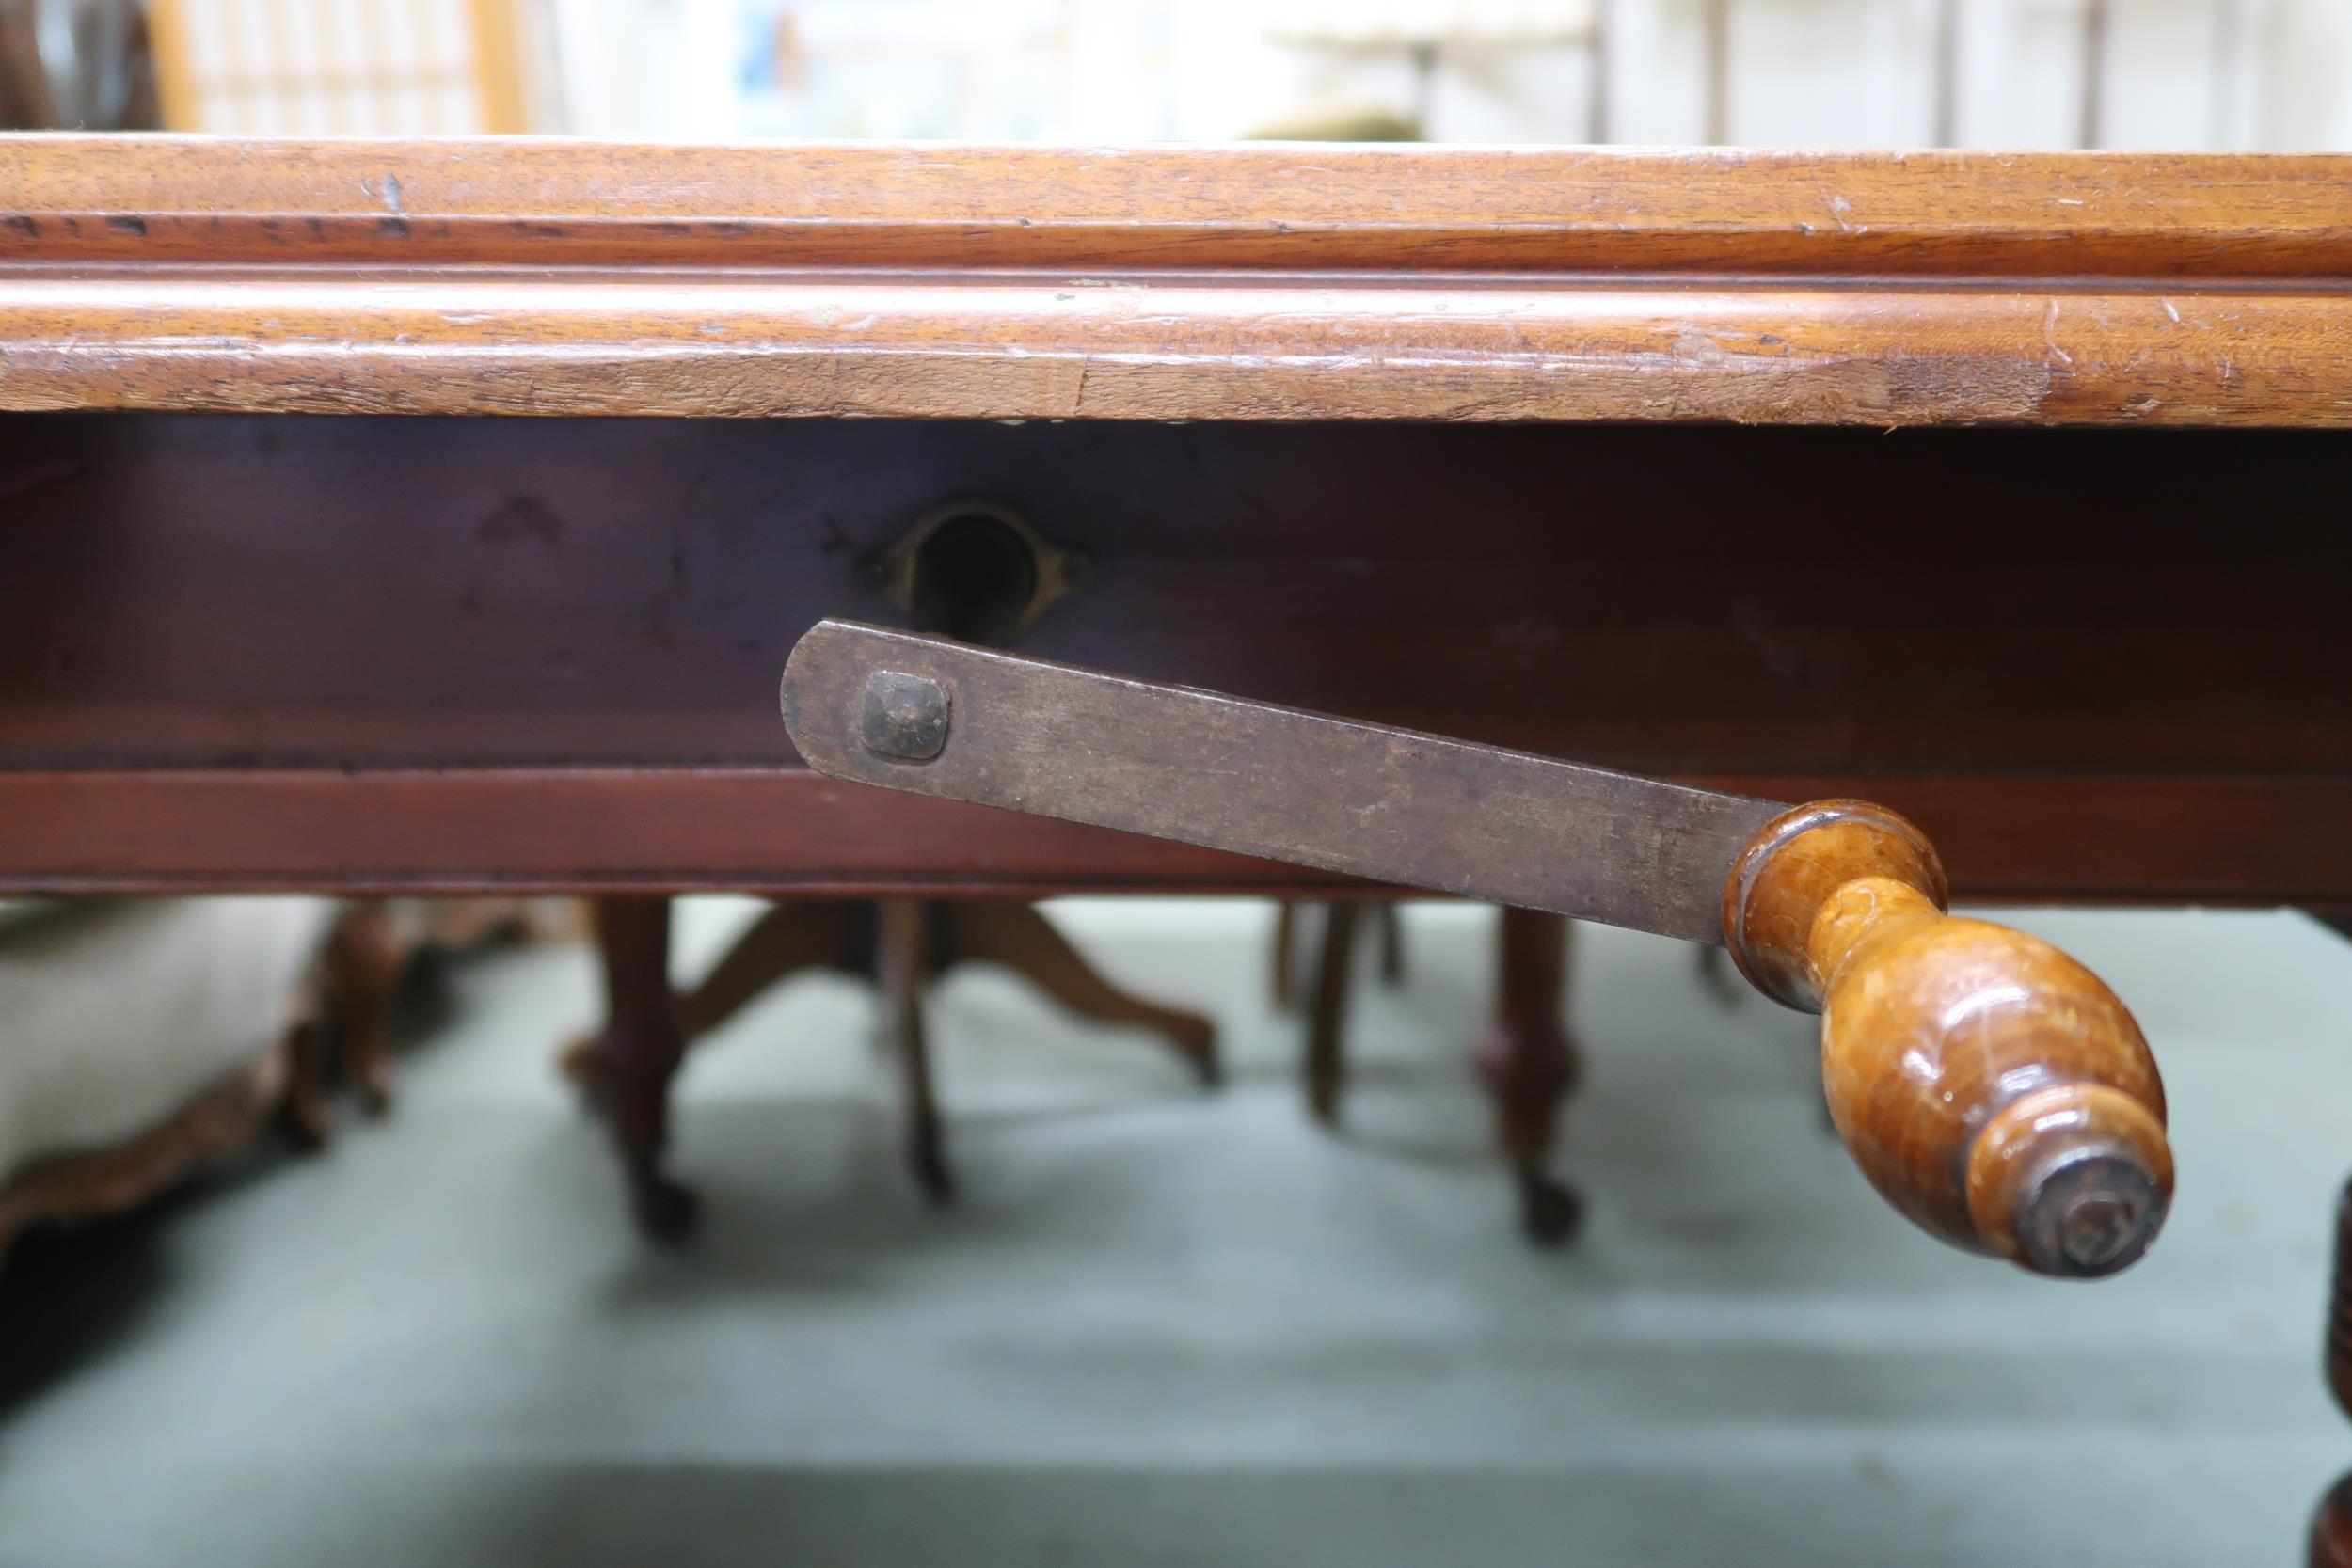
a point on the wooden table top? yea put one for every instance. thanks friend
(1261, 281)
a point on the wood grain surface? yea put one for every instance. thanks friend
(1261, 282)
(674, 829)
(280, 651)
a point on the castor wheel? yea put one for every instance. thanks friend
(666, 1210)
(1551, 1212)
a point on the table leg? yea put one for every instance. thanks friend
(1282, 985)
(2331, 1525)
(1327, 1012)
(1531, 1064)
(628, 1066)
(365, 961)
(902, 963)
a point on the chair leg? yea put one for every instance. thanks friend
(1282, 980)
(1327, 1012)
(628, 1065)
(1023, 940)
(365, 959)
(902, 965)
(1392, 943)
(1530, 1065)
(306, 1112)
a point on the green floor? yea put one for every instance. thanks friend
(1162, 1327)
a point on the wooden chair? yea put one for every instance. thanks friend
(150, 1037)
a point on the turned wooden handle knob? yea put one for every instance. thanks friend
(1990, 1086)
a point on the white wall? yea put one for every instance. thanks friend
(1810, 73)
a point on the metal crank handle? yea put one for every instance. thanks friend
(1992, 1089)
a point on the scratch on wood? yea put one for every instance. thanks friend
(2049, 337)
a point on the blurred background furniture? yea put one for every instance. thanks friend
(901, 944)
(332, 68)
(2217, 75)
(82, 65)
(1528, 1059)
(146, 1037)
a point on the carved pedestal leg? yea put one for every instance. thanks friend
(628, 1066)
(1326, 1013)
(2331, 1526)
(1023, 940)
(1529, 1066)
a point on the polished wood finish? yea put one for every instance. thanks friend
(2097, 837)
(452, 654)
(1990, 1086)
(1251, 282)
(1731, 211)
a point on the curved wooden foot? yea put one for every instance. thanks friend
(1529, 1064)
(1023, 940)
(628, 1066)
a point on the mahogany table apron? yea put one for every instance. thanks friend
(437, 516)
